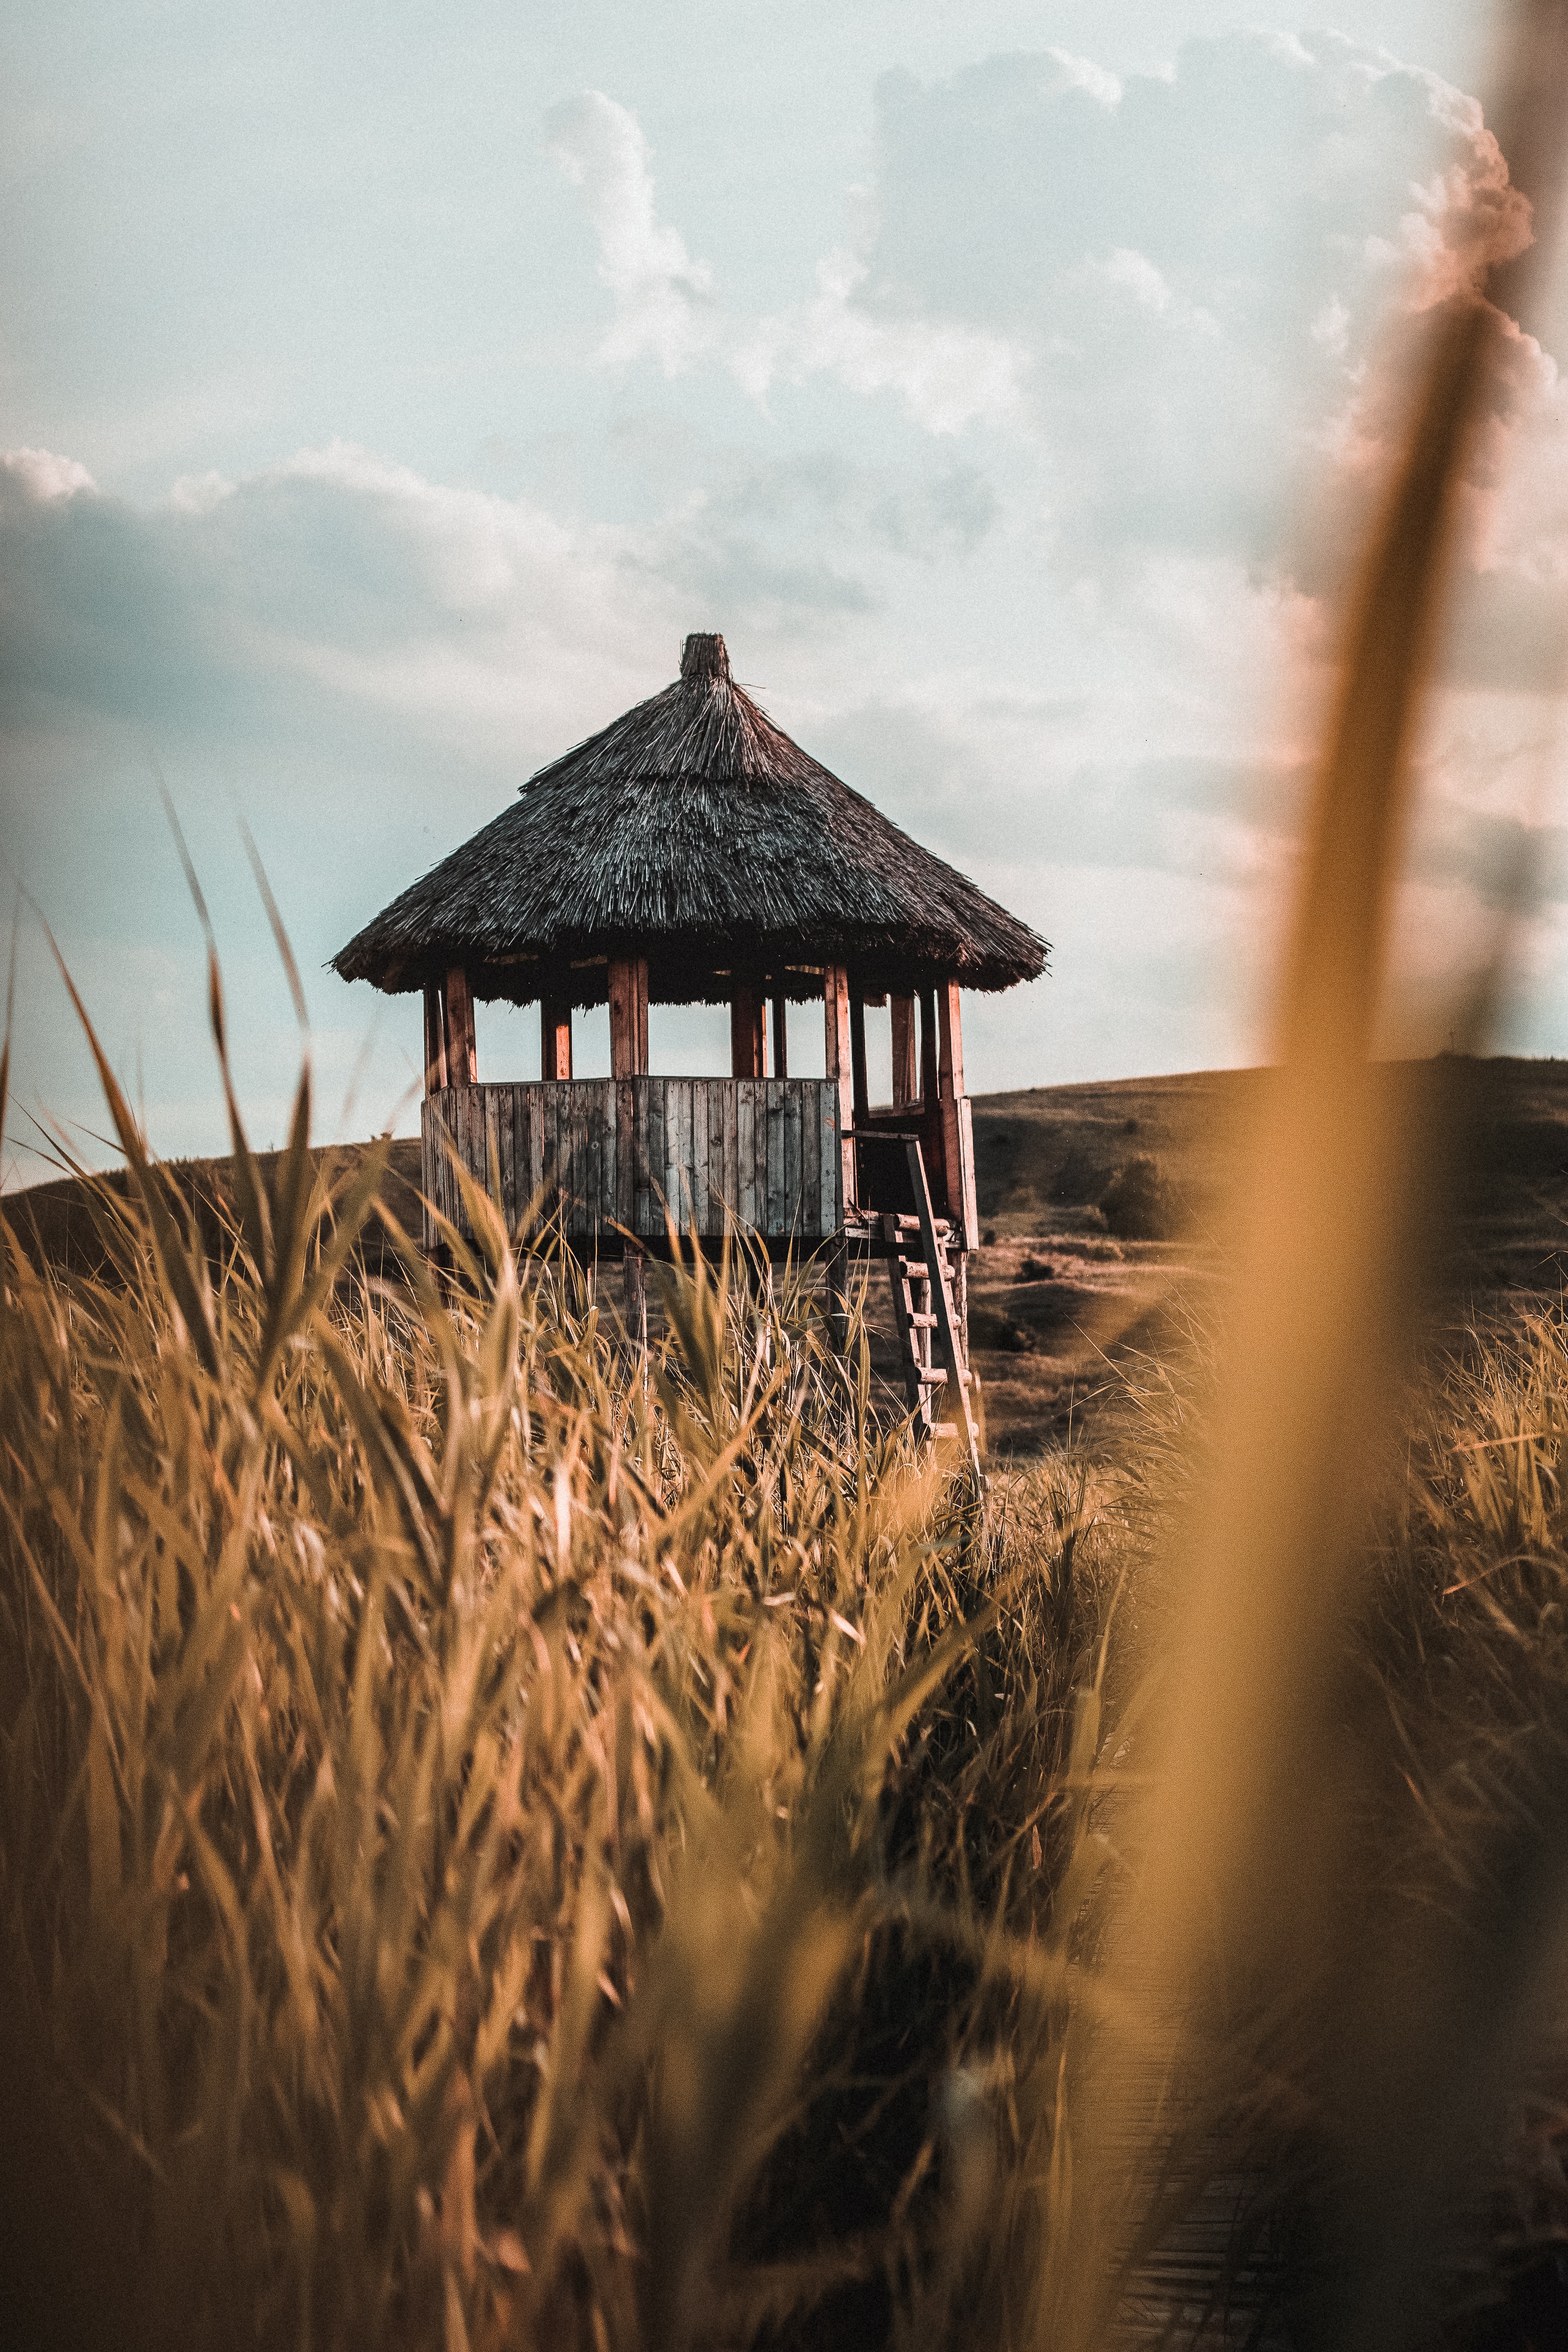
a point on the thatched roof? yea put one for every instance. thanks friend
(693, 832)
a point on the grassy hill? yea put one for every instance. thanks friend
(1102, 1204)
(56, 1221)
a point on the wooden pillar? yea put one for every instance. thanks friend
(837, 1282)
(748, 1030)
(957, 1134)
(628, 1017)
(858, 1056)
(781, 1042)
(556, 1036)
(462, 1053)
(906, 1069)
(838, 1065)
(628, 1059)
(435, 1038)
(928, 1048)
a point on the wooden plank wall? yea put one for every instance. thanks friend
(616, 1150)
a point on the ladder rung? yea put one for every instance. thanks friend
(931, 1376)
(922, 1322)
(943, 1428)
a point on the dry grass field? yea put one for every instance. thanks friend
(506, 1843)
(1069, 1284)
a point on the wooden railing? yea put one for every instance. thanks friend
(609, 1153)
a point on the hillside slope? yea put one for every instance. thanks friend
(1066, 1282)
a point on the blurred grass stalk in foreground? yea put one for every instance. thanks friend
(1232, 1952)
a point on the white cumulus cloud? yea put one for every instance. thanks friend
(662, 296)
(43, 476)
(946, 373)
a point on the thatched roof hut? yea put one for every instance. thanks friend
(692, 853)
(693, 833)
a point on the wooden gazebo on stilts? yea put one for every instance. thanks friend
(690, 853)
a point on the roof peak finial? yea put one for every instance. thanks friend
(703, 657)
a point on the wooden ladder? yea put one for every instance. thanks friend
(922, 1278)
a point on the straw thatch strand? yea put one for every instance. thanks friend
(694, 831)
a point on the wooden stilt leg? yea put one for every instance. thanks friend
(633, 1292)
(839, 1296)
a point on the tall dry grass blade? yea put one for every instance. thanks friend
(279, 930)
(6, 1049)
(1233, 1935)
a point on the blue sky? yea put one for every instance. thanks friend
(387, 391)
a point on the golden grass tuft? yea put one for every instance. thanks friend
(453, 1763)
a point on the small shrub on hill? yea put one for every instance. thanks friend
(1139, 1204)
(1078, 1179)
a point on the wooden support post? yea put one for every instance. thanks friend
(837, 1276)
(628, 1017)
(435, 1038)
(928, 1048)
(950, 1030)
(462, 1053)
(906, 1069)
(858, 1056)
(781, 1045)
(838, 1066)
(628, 1059)
(554, 1037)
(748, 1031)
(957, 1134)
(633, 1294)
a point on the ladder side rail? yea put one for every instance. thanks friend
(942, 1307)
